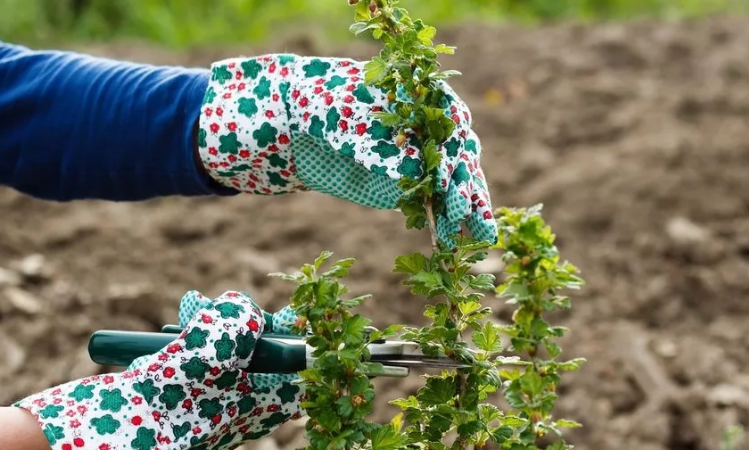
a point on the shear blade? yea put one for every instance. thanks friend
(432, 363)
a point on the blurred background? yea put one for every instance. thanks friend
(627, 119)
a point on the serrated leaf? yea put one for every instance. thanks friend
(510, 375)
(476, 257)
(482, 282)
(571, 365)
(532, 382)
(311, 375)
(388, 119)
(426, 34)
(375, 70)
(489, 412)
(362, 12)
(397, 422)
(432, 157)
(430, 280)
(353, 329)
(329, 420)
(344, 406)
(322, 258)
(284, 276)
(340, 269)
(437, 391)
(442, 48)
(387, 438)
(404, 403)
(467, 308)
(501, 434)
(410, 264)
(487, 338)
(469, 428)
(564, 423)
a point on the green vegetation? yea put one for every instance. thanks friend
(182, 23)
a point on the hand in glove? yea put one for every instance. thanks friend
(192, 394)
(282, 123)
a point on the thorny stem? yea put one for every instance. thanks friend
(432, 223)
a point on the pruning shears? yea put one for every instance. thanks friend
(274, 353)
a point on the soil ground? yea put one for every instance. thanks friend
(634, 137)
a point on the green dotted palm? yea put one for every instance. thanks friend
(322, 169)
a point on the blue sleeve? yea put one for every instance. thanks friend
(78, 127)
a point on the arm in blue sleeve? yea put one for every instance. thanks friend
(78, 127)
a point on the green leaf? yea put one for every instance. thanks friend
(442, 48)
(532, 382)
(432, 156)
(410, 264)
(513, 421)
(426, 34)
(430, 280)
(353, 329)
(387, 438)
(564, 423)
(488, 338)
(388, 119)
(329, 420)
(311, 375)
(447, 74)
(362, 12)
(510, 375)
(501, 434)
(467, 308)
(340, 269)
(322, 258)
(404, 403)
(489, 412)
(482, 282)
(375, 70)
(437, 391)
(571, 365)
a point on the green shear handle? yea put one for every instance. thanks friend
(274, 353)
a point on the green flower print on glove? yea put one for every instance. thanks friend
(283, 123)
(192, 394)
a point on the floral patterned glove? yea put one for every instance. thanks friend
(192, 394)
(282, 123)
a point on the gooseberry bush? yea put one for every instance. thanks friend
(519, 361)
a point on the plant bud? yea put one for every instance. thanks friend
(353, 2)
(372, 7)
(400, 140)
(358, 400)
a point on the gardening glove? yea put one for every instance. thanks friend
(282, 123)
(192, 394)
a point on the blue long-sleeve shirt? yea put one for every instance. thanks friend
(79, 127)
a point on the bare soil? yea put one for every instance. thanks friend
(634, 137)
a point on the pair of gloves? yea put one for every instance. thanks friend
(269, 125)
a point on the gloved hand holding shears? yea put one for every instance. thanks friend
(210, 387)
(192, 393)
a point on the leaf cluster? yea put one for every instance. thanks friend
(535, 278)
(338, 390)
(455, 402)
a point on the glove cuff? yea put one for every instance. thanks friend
(245, 132)
(95, 412)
